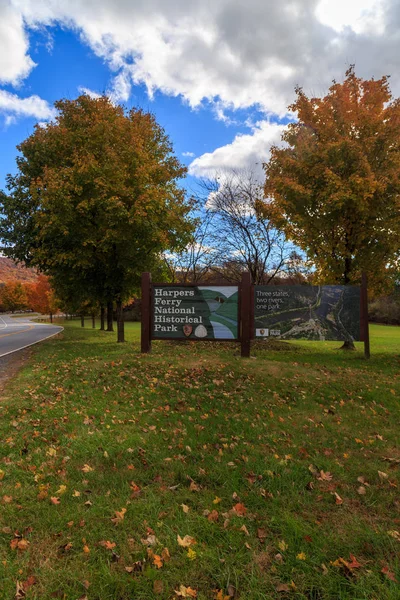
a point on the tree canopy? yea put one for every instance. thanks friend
(334, 187)
(96, 197)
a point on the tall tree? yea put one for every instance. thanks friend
(96, 196)
(334, 188)
(241, 240)
(13, 296)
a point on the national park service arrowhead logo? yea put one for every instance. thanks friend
(187, 330)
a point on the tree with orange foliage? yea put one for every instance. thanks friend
(41, 297)
(13, 296)
(334, 188)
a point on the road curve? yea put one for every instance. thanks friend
(17, 334)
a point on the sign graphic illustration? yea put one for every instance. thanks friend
(195, 312)
(328, 312)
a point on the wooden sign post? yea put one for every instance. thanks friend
(146, 316)
(245, 314)
(364, 315)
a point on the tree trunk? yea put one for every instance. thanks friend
(110, 326)
(102, 317)
(93, 321)
(51, 317)
(120, 322)
(82, 320)
(348, 345)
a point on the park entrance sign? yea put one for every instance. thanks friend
(195, 312)
(245, 312)
(324, 312)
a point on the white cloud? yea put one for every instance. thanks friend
(15, 63)
(189, 154)
(234, 54)
(247, 151)
(12, 106)
(88, 92)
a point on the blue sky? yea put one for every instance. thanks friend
(218, 75)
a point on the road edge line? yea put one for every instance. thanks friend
(33, 343)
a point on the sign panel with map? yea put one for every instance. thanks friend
(327, 312)
(195, 312)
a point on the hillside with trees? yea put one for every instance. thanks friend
(12, 271)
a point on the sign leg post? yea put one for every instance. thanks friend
(364, 315)
(145, 331)
(245, 314)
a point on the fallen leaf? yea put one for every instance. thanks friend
(282, 545)
(382, 476)
(186, 541)
(55, 500)
(157, 561)
(338, 499)
(186, 592)
(185, 508)
(87, 468)
(389, 574)
(191, 554)
(158, 586)
(119, 516)
(301, 556)
(240, 509)
(213, 516)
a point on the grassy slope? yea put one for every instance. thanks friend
(195, 425)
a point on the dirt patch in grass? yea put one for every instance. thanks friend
(10, 365)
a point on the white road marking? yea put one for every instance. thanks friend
(33, 343)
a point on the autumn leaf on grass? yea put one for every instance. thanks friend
(338, 499)
(325, 476)
(119, 516)
(217, 500)
(301, 556)
(186, 592)
(107, 544)
(389, 574)
(282, 545)
(395, 535)
(191, 554)
(61, 490)
(165, 555)
(157, 561)
(55, 500)
(185, 508)
(213, 516)
(239, 509)
(221, 596)
(382, 476)
(354, 564)
(1, 474)
(87, 468)
(151, 540)
(86, 549)
(19, 544)
(186, 541)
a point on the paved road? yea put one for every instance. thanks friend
(19, 333)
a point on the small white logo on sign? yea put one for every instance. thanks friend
(262, 332)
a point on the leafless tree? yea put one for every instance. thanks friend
(195, 262)
(243, 240)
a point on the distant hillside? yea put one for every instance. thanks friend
(11, 271)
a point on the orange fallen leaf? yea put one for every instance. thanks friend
(240, 509)
(158, 561)
(55, 500)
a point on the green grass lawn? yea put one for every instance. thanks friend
(283, 470)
